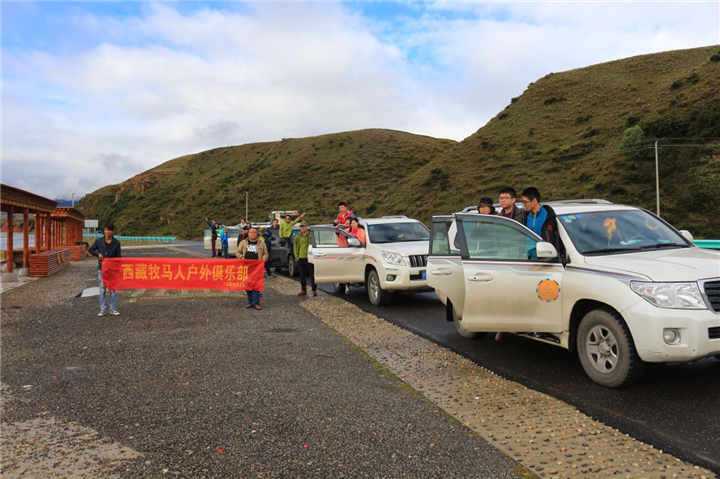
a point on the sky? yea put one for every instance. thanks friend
(94, 93)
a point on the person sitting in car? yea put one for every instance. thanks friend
(357, 230)
(341, 238)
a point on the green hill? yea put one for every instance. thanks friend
(564, 135)
(583, 133)
(308, 174)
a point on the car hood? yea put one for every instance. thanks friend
(406, 249)
(684, 264)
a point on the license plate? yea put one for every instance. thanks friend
(423, 274)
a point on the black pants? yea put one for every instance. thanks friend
(305, 267)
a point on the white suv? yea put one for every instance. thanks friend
(625, 288)
(394, 258)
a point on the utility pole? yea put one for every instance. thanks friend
(73, 200)
(657, 179)
(247, 200)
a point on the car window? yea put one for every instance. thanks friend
(440, 239)
(398, 232)
(608, 232)
(488, 239)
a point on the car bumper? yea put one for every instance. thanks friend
(404, 279)
(696, 327)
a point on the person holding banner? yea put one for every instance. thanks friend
(252, 249)
(106, 247)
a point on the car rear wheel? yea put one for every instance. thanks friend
(459, 326)
(293, 269)
(377, 295)
(607, 351)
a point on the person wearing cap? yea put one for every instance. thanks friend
(508, 209)
(485, 207)
(213, 234)
(302, 243)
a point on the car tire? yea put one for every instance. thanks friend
(293, 269)
(377, 295)
(607, 351)
(459, 328)
(339, 288)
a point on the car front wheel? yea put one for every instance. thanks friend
(339, 288)
(607, 351)
(377, 295)
(293, 270)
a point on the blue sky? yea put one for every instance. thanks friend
(107, 90)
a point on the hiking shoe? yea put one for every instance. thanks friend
(302, 293)
(115, 312)
(249, 306)
(314, 293)
(257, 306)
(101, 313)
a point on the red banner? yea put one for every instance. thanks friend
(183, 273)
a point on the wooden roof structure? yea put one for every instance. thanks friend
(54, 227)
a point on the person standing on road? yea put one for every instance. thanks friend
(287, 225)
(213, 235)
(252, 248)
(222, 232)
(106, 247)
(266, 237)
(506, 197)
(343, 214)
(302, 243)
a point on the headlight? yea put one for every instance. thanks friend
(671, 295)
(393, 258)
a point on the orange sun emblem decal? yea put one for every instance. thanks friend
(548, 290)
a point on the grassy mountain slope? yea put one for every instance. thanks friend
(564, 135)
(310, 174)
(587, 132)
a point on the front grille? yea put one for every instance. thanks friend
(418, 260)
(714, 333)
(712, 291)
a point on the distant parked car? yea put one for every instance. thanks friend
(281, 254)
(394, 258)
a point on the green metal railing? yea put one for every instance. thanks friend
(709, 244)
(140, 239)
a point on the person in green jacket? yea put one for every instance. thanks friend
(287, 225)
(302, 243)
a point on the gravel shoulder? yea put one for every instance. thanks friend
(199, 386)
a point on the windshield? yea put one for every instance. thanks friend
(608, 232)
(398, 232)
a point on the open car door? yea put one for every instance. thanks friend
(338, 256)
(507, 287)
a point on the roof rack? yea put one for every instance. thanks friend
(394, 216)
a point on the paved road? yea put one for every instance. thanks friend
(674, 407)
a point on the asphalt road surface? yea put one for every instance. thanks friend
(674, 407)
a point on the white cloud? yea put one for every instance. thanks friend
(167, 84)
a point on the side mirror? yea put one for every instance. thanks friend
(688, 235)
(545, 250)
(353, 242)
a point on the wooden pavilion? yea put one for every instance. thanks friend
(54, 227)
